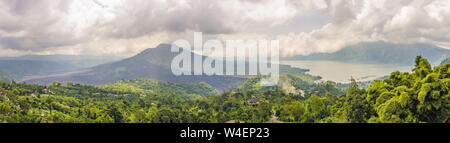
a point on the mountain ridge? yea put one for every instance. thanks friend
(151, 63)
(447, 60)
(381, 53)
(5, 77)
(35, 65)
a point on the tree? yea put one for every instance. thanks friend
(434, 98)
(318, 107)
(116, 113)
(422, 67)
(294, 111)
(356, 107)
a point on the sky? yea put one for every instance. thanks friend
(126, 27)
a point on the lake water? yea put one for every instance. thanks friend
(342, 72)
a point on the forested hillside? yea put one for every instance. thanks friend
(151, 87)
(418, 97)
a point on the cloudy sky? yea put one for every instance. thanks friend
(126, 27)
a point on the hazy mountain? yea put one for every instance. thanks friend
(32, 65)
(447, 60)
(75, 61)
(4, 76)
(152, 63)
(381, 53)
(21, 68)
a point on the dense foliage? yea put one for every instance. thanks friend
(419, 96)
(150, 87)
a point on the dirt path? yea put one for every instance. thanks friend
(274, 119)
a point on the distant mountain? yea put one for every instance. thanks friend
(21, 68)
(75, 61)
(152, 63)
(32, 65)
(381, 53)
(4, 76)
(447, 60)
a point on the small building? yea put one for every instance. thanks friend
(143, 95)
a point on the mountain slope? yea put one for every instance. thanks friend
(75, 61)
(447, 60)
(152, 63)
(4, 76)
(21, 68)
(381, 53)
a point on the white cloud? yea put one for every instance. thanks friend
(365, 21)
(125, 27)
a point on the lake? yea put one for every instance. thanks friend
(342, 72)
